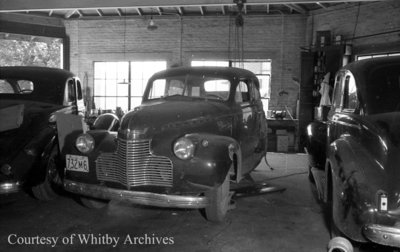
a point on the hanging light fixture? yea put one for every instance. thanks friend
(152, 26)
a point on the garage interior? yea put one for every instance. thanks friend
(289, 44)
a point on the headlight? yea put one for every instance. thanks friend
(84, 143)
(52, 118)
(184, 148)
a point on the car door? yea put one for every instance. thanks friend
(345, 124)
(248, 132)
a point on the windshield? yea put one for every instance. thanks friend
(383, 86)
(198, 86)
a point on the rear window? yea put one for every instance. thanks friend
(15, 86)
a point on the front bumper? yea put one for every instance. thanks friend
(384, 235)
(136, 197)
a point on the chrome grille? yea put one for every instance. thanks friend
(134, 165)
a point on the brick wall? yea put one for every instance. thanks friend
(366, 22)
(271, 37)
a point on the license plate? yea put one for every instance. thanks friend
(77, 163)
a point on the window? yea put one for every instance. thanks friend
(121, 84)
(350, 93)
(218, 88)
(188, 85)
(337, 93)
(12, 86)
(141, 71)
(78, 85)
(71, 90)
(42, 51)
(261, 68)
(242, 92)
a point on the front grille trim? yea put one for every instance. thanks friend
(133, 164)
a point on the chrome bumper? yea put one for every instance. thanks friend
(9, 187)
(384, 235)
(141, 198)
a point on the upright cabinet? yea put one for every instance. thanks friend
(315, 65)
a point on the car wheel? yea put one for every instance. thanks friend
(52, 183)
(93, 203)
(340, 244)
(219, 199)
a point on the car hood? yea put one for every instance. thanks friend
(187, 115)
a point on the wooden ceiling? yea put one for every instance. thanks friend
(81, 9)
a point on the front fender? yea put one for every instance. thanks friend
(105, 142)
(218, 155)
(316, 144)
(354, 182)
(213, 157)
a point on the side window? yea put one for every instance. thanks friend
(242, 93)
(79, 89)
(256, 92)
(350, 101)
(6, 88)
(337, 93)
(71, 90)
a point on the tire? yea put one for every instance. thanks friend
(340, 244)
(93, 203)
(219, 199)
(49, 188)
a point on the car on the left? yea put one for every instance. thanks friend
(30, 99)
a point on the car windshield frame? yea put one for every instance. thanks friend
(197, 86)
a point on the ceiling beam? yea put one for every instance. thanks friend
(99, 12)
(223, 10)
(119, 12)
(139, 11)
(69, 14)
(180, 11)
(297, 8)
(322, 5)
(202, 10)
(36, 5)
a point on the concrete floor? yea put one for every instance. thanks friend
(291, 220)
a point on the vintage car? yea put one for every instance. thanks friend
(196, 130)
(355, 154)
(30, 97)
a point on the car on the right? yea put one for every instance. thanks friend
(355, 153)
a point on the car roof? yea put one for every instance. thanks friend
(368, 65)
(226, 72)
(363, 69)
(34, 72)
